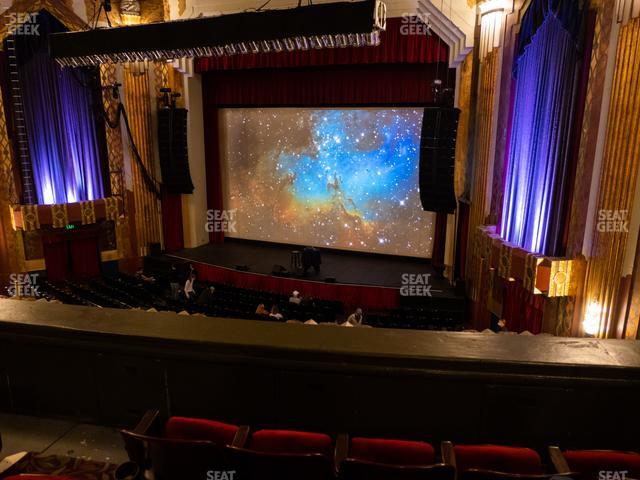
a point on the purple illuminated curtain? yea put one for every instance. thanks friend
(60, 123)
(536, 172)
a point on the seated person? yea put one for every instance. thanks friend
(295, 297)
(205, 297)
(275, 313)
(142, 277)
(189, 287)
(262, 311)
(355, 318)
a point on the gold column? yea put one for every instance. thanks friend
(115, 153)
(147, 205)
(12, 257)
(462, 142)
(481, 171)
(617, 184)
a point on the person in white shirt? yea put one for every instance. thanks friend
(189, 291)
(295, 297)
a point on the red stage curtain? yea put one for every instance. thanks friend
(352, 296)
(522, 309)
(172, 221)
(399, 71)
(56, 257)
(85, 257)
(367, 85)
(394, 48)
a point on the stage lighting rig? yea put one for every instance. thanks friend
(327, 25)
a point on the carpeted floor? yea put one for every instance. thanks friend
(61, 465)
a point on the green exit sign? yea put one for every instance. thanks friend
(71, 226)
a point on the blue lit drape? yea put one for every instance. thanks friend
(60, 123)
(536, 174)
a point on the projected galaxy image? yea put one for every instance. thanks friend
(333, 178)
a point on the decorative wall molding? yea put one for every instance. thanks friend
(492, 19)
(626, 10)
(617, 183)
(540, 275)
(445, 28)
(34, 217)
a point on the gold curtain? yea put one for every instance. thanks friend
(481, 164)
(147, 205)
(617, 183)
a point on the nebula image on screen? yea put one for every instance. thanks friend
(335, 178)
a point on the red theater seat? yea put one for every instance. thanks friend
(291, 442)
(393, 452)
(182, 428)
(351, 469)
(185, 449)
(592, 462)
(386, 459)
(496, 458)
(260, 465)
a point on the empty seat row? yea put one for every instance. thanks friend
(192, 448)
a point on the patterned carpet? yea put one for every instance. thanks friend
(59, 465)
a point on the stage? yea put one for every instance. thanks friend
(352, 268)
(372, 281)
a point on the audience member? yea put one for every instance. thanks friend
(275, 313)
(205, 297)
(295, 297)
(355, 319)
(189, 287)
(261, 310)
(142, 277)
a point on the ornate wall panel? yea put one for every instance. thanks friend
(11, 245)
(590, 124)
(124, 238)
(463, 140)
(617, 181)
(147, 205)
(481, 165)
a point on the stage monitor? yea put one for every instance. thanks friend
(336, 178)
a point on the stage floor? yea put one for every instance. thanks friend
(346, 267)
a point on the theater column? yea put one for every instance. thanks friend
(611, 292)
(194, 206)
(491, 21)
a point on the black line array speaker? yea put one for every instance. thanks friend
(437, 159)
(172, 143)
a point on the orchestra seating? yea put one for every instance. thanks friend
(128, 292)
